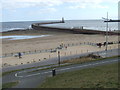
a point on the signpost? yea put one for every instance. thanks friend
(59, 58)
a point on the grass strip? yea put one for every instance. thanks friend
(105, 76)
(9, 84)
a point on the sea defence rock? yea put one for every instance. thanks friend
(39, 26)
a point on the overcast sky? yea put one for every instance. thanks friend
(37, 10)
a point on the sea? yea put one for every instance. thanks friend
(86, 24)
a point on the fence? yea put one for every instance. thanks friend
(53, 50)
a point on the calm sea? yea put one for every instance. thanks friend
(86, 24)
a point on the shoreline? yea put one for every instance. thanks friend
(50, 42)
(47, 32)
(31, 32)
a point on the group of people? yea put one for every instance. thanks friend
(100, 44)
(63, 45)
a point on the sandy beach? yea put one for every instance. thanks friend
(50, 42)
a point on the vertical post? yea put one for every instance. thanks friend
(81, 51)
(49, 56)
(53, 72)
(87, 50)
(59, 58)
(106, 35)
(65, 53)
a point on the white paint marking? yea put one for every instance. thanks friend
(32, 74)
(85, 65)
(16, 75)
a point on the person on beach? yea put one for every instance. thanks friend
(66, 47)
(104, 43)
(99, 45)
(19, 55)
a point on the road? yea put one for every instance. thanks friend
(33, 79)
(112, 52)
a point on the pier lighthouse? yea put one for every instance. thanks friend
(63, 20)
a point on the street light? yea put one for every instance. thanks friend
(106, 34)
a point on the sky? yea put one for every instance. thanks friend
(37, 10)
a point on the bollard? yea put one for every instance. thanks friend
(49, 56)
(11, 54)
(81, 51)
(110, 47)
(24, 53)
(53, 72)
(87, 50)
(68, 44)
(5, 55)
(65, 53)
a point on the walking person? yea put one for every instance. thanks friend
(19, 55)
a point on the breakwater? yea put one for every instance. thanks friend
(39, 26)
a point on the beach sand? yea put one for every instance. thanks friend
(50, 42)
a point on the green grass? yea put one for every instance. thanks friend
(9, 84)
(105, 76)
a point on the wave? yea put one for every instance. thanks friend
(19, 37)
(11, 29)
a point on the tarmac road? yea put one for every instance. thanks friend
(112, 52)
(32, 80)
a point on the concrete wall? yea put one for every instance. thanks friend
(38, 26)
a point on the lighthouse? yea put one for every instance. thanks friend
(63, 20)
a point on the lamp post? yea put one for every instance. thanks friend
(106, 34)
(59, 58)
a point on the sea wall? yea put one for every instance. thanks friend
(39, 26)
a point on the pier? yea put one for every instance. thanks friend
(112, 20)
(39, 26)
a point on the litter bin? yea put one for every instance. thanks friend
(53, 72)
